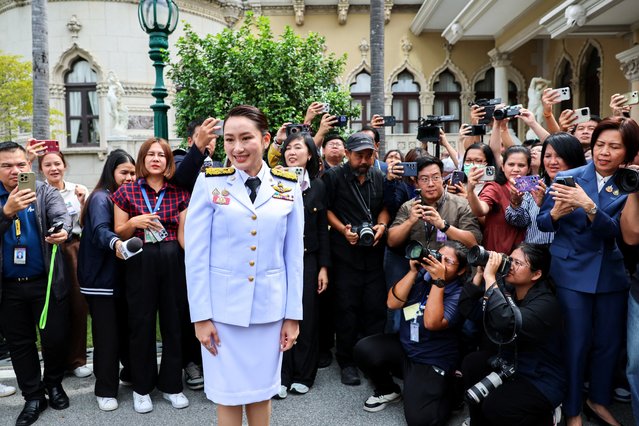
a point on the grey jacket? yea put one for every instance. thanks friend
(50, 208)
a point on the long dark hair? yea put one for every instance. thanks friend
(567, 147)
(312, 165)
(107, 182)
(501, 176)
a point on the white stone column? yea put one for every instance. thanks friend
(630, 66)
(500, 61)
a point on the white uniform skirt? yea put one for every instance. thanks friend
(247, 367)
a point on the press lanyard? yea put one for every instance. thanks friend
(148, 203)
(18, 229)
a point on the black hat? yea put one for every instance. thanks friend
(359, 141)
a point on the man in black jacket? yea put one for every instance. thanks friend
(25, 263)
(358, 221)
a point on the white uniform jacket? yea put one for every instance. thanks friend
(244, 261)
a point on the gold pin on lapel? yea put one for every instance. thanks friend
(609, 189)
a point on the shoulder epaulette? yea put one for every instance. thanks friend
(284, 174)
(218, 171)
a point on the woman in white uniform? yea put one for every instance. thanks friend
(244, 269)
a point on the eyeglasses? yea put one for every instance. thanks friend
(334, 145)
(449, 261)
(518, 263)
(427, 179)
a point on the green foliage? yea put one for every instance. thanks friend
(16, 95)
(250, 66)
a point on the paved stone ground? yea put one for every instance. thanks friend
(328, 403)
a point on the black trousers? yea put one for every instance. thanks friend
(515, 402)
(326, 328)
(110, 342)
(155, 282)
(20, 311)
(360, 307)
(427, 394)
(299, 364)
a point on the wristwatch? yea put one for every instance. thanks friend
(592, 210)
(439, 283)
(446, 226)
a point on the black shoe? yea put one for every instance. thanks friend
(58, 399)
(31, 411)
(325, 359)
(350, 376)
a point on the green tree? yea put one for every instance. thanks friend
(281, 76)
(16, 95)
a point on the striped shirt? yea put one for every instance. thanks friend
(526, 216)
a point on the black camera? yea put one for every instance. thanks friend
(627, 180)
(502, 371)
(416, 251)
(365, 233)
(507, 112)
(428, 129)
(292, 129)
(489, 108)
(478, 256)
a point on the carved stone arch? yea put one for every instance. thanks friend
(460, 76)
(578, 71)
(559, 66)
(406, 66)
(67, 60)
(512, 73)
(363, 66)
(480, 75)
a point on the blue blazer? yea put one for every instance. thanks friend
(244, 261)
(585, 255)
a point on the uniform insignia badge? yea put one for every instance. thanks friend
(281, 188)
(609, 189)
(287, 197)
(284, 174)
(222, 199)
(615, 192)
(218, 171)
(225, 192)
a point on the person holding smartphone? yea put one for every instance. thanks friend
(26, 259)
(53, 166)
(495, 198)
(154, 210)
(587, 265)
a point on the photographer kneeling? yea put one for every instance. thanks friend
(425, 353)
(523, 381)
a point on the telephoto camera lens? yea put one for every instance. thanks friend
(416, 251)
(627, 180)
(482, 388)
(478, 256)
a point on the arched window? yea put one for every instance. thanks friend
(590, 81)
(406, 108)
(447, 100)
(361, 95)
(565, 80)
(82, 108)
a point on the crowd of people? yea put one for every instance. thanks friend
(505, 273)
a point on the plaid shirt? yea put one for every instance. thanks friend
(129, 198)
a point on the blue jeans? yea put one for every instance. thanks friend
(632, 368)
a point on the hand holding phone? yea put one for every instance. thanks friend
(566, 180)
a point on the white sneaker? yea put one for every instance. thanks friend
(299, 388)
(282, 393)
(142, 403)
(177, 400)
(379, 402)
(107, 404)
(82, 371)
(6, 390)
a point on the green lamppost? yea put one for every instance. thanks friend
(158, 18)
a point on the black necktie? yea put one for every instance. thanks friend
(252, 183)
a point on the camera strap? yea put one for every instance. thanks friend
(354, 187)
(501, 292)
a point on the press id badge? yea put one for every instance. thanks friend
(441, 236)
(411, 312)
(414, 331)
(19, 255)
(149, 237)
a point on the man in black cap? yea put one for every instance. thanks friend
(358, 221)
